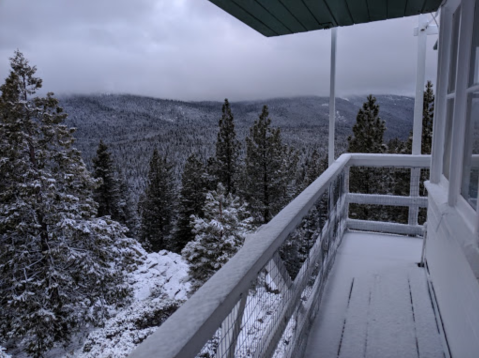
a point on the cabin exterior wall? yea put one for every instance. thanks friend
(452, 244)
(452, 261)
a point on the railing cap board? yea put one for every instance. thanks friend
(390, 160)
(186, 331)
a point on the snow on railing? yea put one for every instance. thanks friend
(263, 301)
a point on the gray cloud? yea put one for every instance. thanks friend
(192, 50)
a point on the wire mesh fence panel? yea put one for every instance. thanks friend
(271, 319)
(386, 185)
(382, 181)
(384, 213)
(262, 302)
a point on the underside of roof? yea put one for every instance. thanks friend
(283, 17)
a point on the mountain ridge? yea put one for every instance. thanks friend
(133, 125)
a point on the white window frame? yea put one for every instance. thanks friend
(460, 96)
(460, 101)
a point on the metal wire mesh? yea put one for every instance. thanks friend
(383, 181)
(390, 183)
(271, 319)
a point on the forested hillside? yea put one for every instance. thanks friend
(132, 126)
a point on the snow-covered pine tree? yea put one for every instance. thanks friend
(264, 183)
(296, 248)
(210, 176)
(403, 180)
(427, 122)
(290, 175)
(157, 205)
(127, 205)
(219, 235)
(369, 130)
(367, 138)
(315, 166)
(227, 150)
(192, 199)
(427, 119)
(107, 195)
(60, 265)
(113, 195)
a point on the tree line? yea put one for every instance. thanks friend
(62, 266)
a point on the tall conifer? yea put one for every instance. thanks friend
(227, 150)
(427, 122)
(156, 206)
(59, 264)
(192, 199)
(367, 138)
(219, 234)
(369, 129)
(112, 195)
(107, 195)
(264, 181)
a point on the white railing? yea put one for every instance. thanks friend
(263, 301)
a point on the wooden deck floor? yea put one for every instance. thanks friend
(376, 303)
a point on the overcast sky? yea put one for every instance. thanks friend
(192, 50)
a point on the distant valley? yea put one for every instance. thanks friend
(133, 125)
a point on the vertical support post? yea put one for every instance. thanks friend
(279, 274)
(230, 329)
(420, 79)
(332, 96)
(414, 193)
(418, 113)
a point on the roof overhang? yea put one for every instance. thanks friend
(283, 17)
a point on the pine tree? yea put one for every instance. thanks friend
(192, 199)
(368, 131)
(427, 122)
(113, 196)
(367, 138)
(315, 166)
(403, 181)
(107, 195)
(219, 235)
(127, 206)
(210, 175)
(156, 206)
(289, 175)
(427, 119)
(227, 150)
(264, 182)
(59, 264)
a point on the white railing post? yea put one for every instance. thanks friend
(332, 97)
(414, 193)
(278, 273)
(346, 193)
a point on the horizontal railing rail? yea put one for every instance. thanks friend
(222, 319)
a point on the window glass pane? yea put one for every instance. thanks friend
(456, 20)
(470, 177)
(474, 73)
(448, 138)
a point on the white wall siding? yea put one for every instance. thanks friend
(452, 257)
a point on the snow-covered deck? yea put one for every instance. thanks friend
(376, 302)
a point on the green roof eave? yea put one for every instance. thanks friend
(283, 17)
